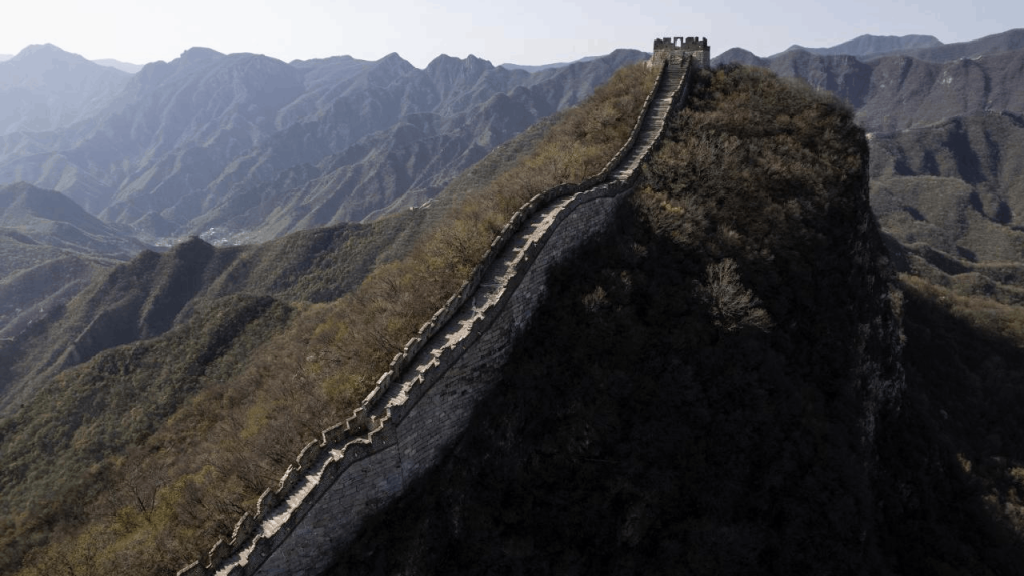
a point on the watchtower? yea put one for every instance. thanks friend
(679, 46)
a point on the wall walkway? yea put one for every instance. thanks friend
(425, 400)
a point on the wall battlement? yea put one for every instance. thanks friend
(680, 46)
(425, 399)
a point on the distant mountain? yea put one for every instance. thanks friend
(50, 218)
(993, 44)
(5, 57)
(898, 91)
(540, 67)
(946, 128)
(122, 66)
(244, 147)
(50, 248)
(868, 45)
(952, 195)
(152, 293)
(45, 88)
(740, 56)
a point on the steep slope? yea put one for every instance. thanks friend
(37, 279)
(45, 88)
(699, 395)
(102, 372)
(945, 153)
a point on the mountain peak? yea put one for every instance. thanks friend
(477, 60)
(471, 62)
(394, 61)
(199, 54)
(394, 58)
(35, 51)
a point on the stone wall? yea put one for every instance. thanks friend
(680, 46)
(426, 398)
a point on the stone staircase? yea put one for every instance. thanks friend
(654, 122)
(503, 276)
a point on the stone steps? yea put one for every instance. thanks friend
(657, 113)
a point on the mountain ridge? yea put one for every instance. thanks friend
(44, 88)
(241, 138)
(867, 45)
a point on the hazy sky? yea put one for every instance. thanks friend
(518, 31)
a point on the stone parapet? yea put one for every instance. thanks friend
(681, 47)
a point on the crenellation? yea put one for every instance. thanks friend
(218, 553)
(266, 501)
(424, 401)
(359, 422)
(682, 47)
(288, 480)
(244, 528)
(309, 455)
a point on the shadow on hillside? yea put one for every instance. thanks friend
(946, 462)
(608, 449)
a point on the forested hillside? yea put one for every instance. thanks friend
(166, 439)
(696, 396)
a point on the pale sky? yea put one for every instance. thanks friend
(517, 31)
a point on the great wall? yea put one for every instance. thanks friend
(424, 401)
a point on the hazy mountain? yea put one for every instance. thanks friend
(992, 44)
(740, 56)
(44, 88)
(50, 248)
(922, 47)
(50, 218)
(5, 57)
(208, 140)
(896, 92)
(539, 67)
(117, 64)
(408, 163)
(868, 45)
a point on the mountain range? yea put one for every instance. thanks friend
(241, 148)
(124, 342)
(868, 45)
(244, 147)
